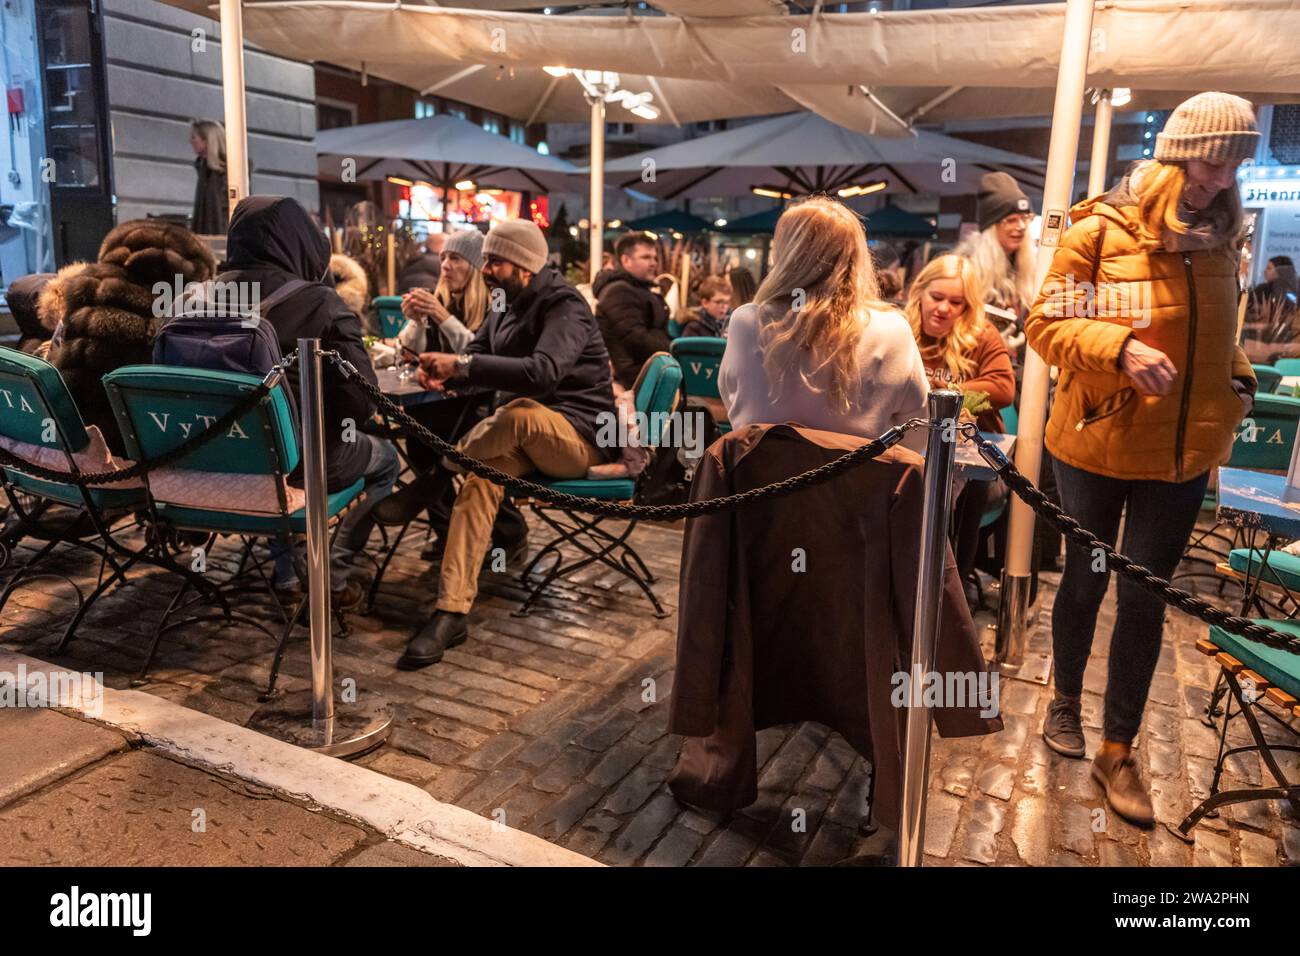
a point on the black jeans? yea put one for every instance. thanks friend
(1160, 517)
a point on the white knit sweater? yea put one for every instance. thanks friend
(893, 385)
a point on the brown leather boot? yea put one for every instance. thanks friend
(1116, 770)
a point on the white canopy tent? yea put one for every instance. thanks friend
(859, 68)
(801, 153)
(443, 150)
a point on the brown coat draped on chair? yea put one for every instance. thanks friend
(761, 642)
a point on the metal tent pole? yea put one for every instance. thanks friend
(596, 215)
(939, 466)
(1061, 154)
(232, 88)
(1100, 144)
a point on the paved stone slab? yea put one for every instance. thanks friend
(394, 854)
(143, 810)
(39, 746)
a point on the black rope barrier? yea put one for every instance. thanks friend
(196, 441)
(613, 509)
(1015, 481)
(1161, 587)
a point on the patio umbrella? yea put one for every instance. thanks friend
(802, 153)
(672, 221)
(892, 221)
(442, 150)
(764, 221)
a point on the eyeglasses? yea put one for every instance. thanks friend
(1018, 219)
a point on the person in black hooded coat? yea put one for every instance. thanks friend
(271, 241)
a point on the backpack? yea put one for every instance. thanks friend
(224, 341)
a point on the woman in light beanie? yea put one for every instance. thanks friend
(1151, 391)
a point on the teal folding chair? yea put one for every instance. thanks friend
(657, 394)
(1288, 366)
(40, 414)
(1263, 441)
(1267, 377)
(389, 310)
(245, 470)
(700, 358)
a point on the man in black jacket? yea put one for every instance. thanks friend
(546, 349)
(273, 241)
(632, 314)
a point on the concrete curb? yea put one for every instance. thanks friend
(400, 811)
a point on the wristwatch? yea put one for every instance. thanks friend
(462, 365)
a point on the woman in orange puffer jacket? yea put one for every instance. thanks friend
(1139, 313)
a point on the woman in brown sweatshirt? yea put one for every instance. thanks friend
(962, 349)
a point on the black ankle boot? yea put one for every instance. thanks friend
(445, 629)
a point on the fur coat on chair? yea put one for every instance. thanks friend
(104, 314)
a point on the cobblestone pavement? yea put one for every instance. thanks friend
(85, 797)
(556, 723)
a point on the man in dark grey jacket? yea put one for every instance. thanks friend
(544, 348)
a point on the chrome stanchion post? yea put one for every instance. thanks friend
(945, 406)
(312, 412)
(314, 719)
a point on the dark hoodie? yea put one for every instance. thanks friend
(271, 241)
(547, 347)
(633, 319)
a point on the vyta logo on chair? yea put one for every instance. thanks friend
(164, 421)
(16, 401)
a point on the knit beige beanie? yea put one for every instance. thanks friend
(1212, 127)
(518, 241)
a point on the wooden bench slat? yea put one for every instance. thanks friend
(1228, 662)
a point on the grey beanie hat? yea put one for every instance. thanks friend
(1212, 127)
(999, 196)
(518, 241)
(468, 244)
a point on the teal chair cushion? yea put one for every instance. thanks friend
(389, 310)
(604, 489)
(223, 522)
(106, 499)
(1282, 569)
(1288, 366)
(1276, 666)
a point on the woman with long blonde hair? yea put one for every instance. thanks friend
(961, 349)
(1139, 312)
(816, 346)
(211, 204)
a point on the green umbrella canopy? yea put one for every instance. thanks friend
(892, 221)
(764, 221)
(671, 221)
